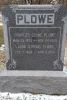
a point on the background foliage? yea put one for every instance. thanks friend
(1, 35)
(2, 2)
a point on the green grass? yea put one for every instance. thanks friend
(1, 35)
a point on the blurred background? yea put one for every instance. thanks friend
(8, 2)
(5, 2)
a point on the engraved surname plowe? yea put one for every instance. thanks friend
(31, 19)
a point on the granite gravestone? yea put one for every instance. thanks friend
(34, 36)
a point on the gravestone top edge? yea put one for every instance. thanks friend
(54, 74)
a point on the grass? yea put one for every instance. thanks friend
(1, 35)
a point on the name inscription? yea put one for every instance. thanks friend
(38, 19)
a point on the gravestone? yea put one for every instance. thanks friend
(35, 37)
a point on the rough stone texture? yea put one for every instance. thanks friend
(47, 85)
(31, 57)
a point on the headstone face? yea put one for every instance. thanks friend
(34, 36)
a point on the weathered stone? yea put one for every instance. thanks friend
(35, 36)
(34, 84)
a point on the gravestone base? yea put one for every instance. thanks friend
(43, 82)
